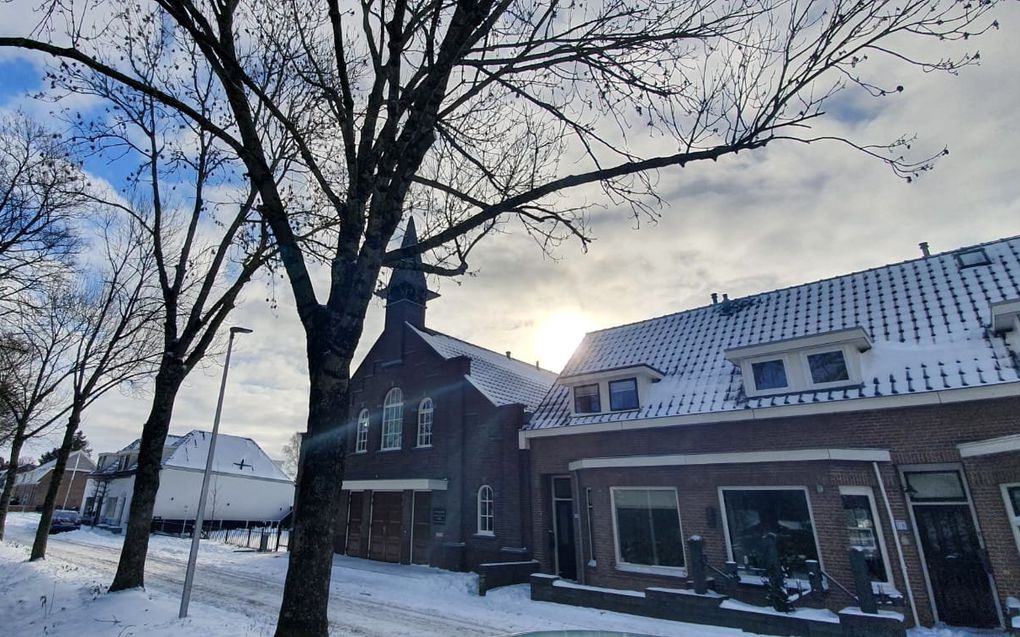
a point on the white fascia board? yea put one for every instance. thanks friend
(1002, 444)
(948, 396)
(854, 335)
(747, 457)
(404, 484)
(611, 374)
(1004, 314)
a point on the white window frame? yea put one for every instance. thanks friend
(778, 487)
(879, 530)
(791, 380)
(1012, 516)
(392, 427)
(483, 517)
(598, 395)
(361, 434)
(425, 418)
(637, 393)
(852, 367)
(621, 565)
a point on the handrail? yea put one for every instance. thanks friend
(840, 586)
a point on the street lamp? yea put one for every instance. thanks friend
(197, 530)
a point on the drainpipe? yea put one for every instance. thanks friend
(896, 539)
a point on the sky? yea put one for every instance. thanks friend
(780, 216)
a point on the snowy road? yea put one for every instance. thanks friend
(367, 599)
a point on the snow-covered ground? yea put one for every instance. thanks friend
(238, 593)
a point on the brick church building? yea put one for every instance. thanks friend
(433, 471)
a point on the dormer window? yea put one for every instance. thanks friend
(828, 367)
(623, 394)
(807, 363)
(586, 399)
(626, 387)
(769, 375)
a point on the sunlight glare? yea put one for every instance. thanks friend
(558, 335)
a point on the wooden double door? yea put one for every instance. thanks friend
(386, 528)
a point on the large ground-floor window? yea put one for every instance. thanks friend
(647, 524)
(751, 514)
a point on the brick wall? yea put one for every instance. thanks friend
(912, 435)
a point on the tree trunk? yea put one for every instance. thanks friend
(303, 612)
(42, 533)
(131, 568)
(12, 476)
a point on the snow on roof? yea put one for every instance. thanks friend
(84, 463)
(171, 440)
(928, 319)
(234, 455)
(503, 380)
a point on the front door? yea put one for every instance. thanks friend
(387, 510)
(957, 568)
(563, 529)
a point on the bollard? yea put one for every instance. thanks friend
(696, 571)
(862, 582)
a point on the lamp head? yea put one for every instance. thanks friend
(240, 330)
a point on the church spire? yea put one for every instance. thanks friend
(407, 291)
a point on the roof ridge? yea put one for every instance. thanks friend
(809, 283)
(531, 366)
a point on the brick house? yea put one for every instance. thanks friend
(433, 473)
(878, 410)
(31, 486)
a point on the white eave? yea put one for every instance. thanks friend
(749, 457)
(610, 374)
(987, 447)
(855, 336)
(404, 484)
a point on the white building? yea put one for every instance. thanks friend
(245, 483)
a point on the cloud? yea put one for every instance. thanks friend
(783, 215)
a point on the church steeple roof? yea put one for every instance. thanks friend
(407, 291)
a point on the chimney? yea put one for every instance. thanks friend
(725, 298)
(537, 366)
(508, 354)
(715, 298)
(924, 249)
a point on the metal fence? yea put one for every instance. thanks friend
(260, 535)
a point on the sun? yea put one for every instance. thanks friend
(558, 335)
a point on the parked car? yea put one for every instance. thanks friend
(64, 521)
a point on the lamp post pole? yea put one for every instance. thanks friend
(196, 532)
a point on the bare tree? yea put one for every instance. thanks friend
(292, 454)
(196, 215)
(116, 309)
(479, 114)
(41, 191)
(39, 366)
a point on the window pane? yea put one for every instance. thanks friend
(863, 531)
(828, 367)
(927, 486)
(769, 374)
(750, 515)
(586, 399)
(561, 488)
(361, 443)
(623, 394)
(648, 527)
(1014, 497)
(393, 419)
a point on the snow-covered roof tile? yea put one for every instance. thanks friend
(503, 380)
(927, 318)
